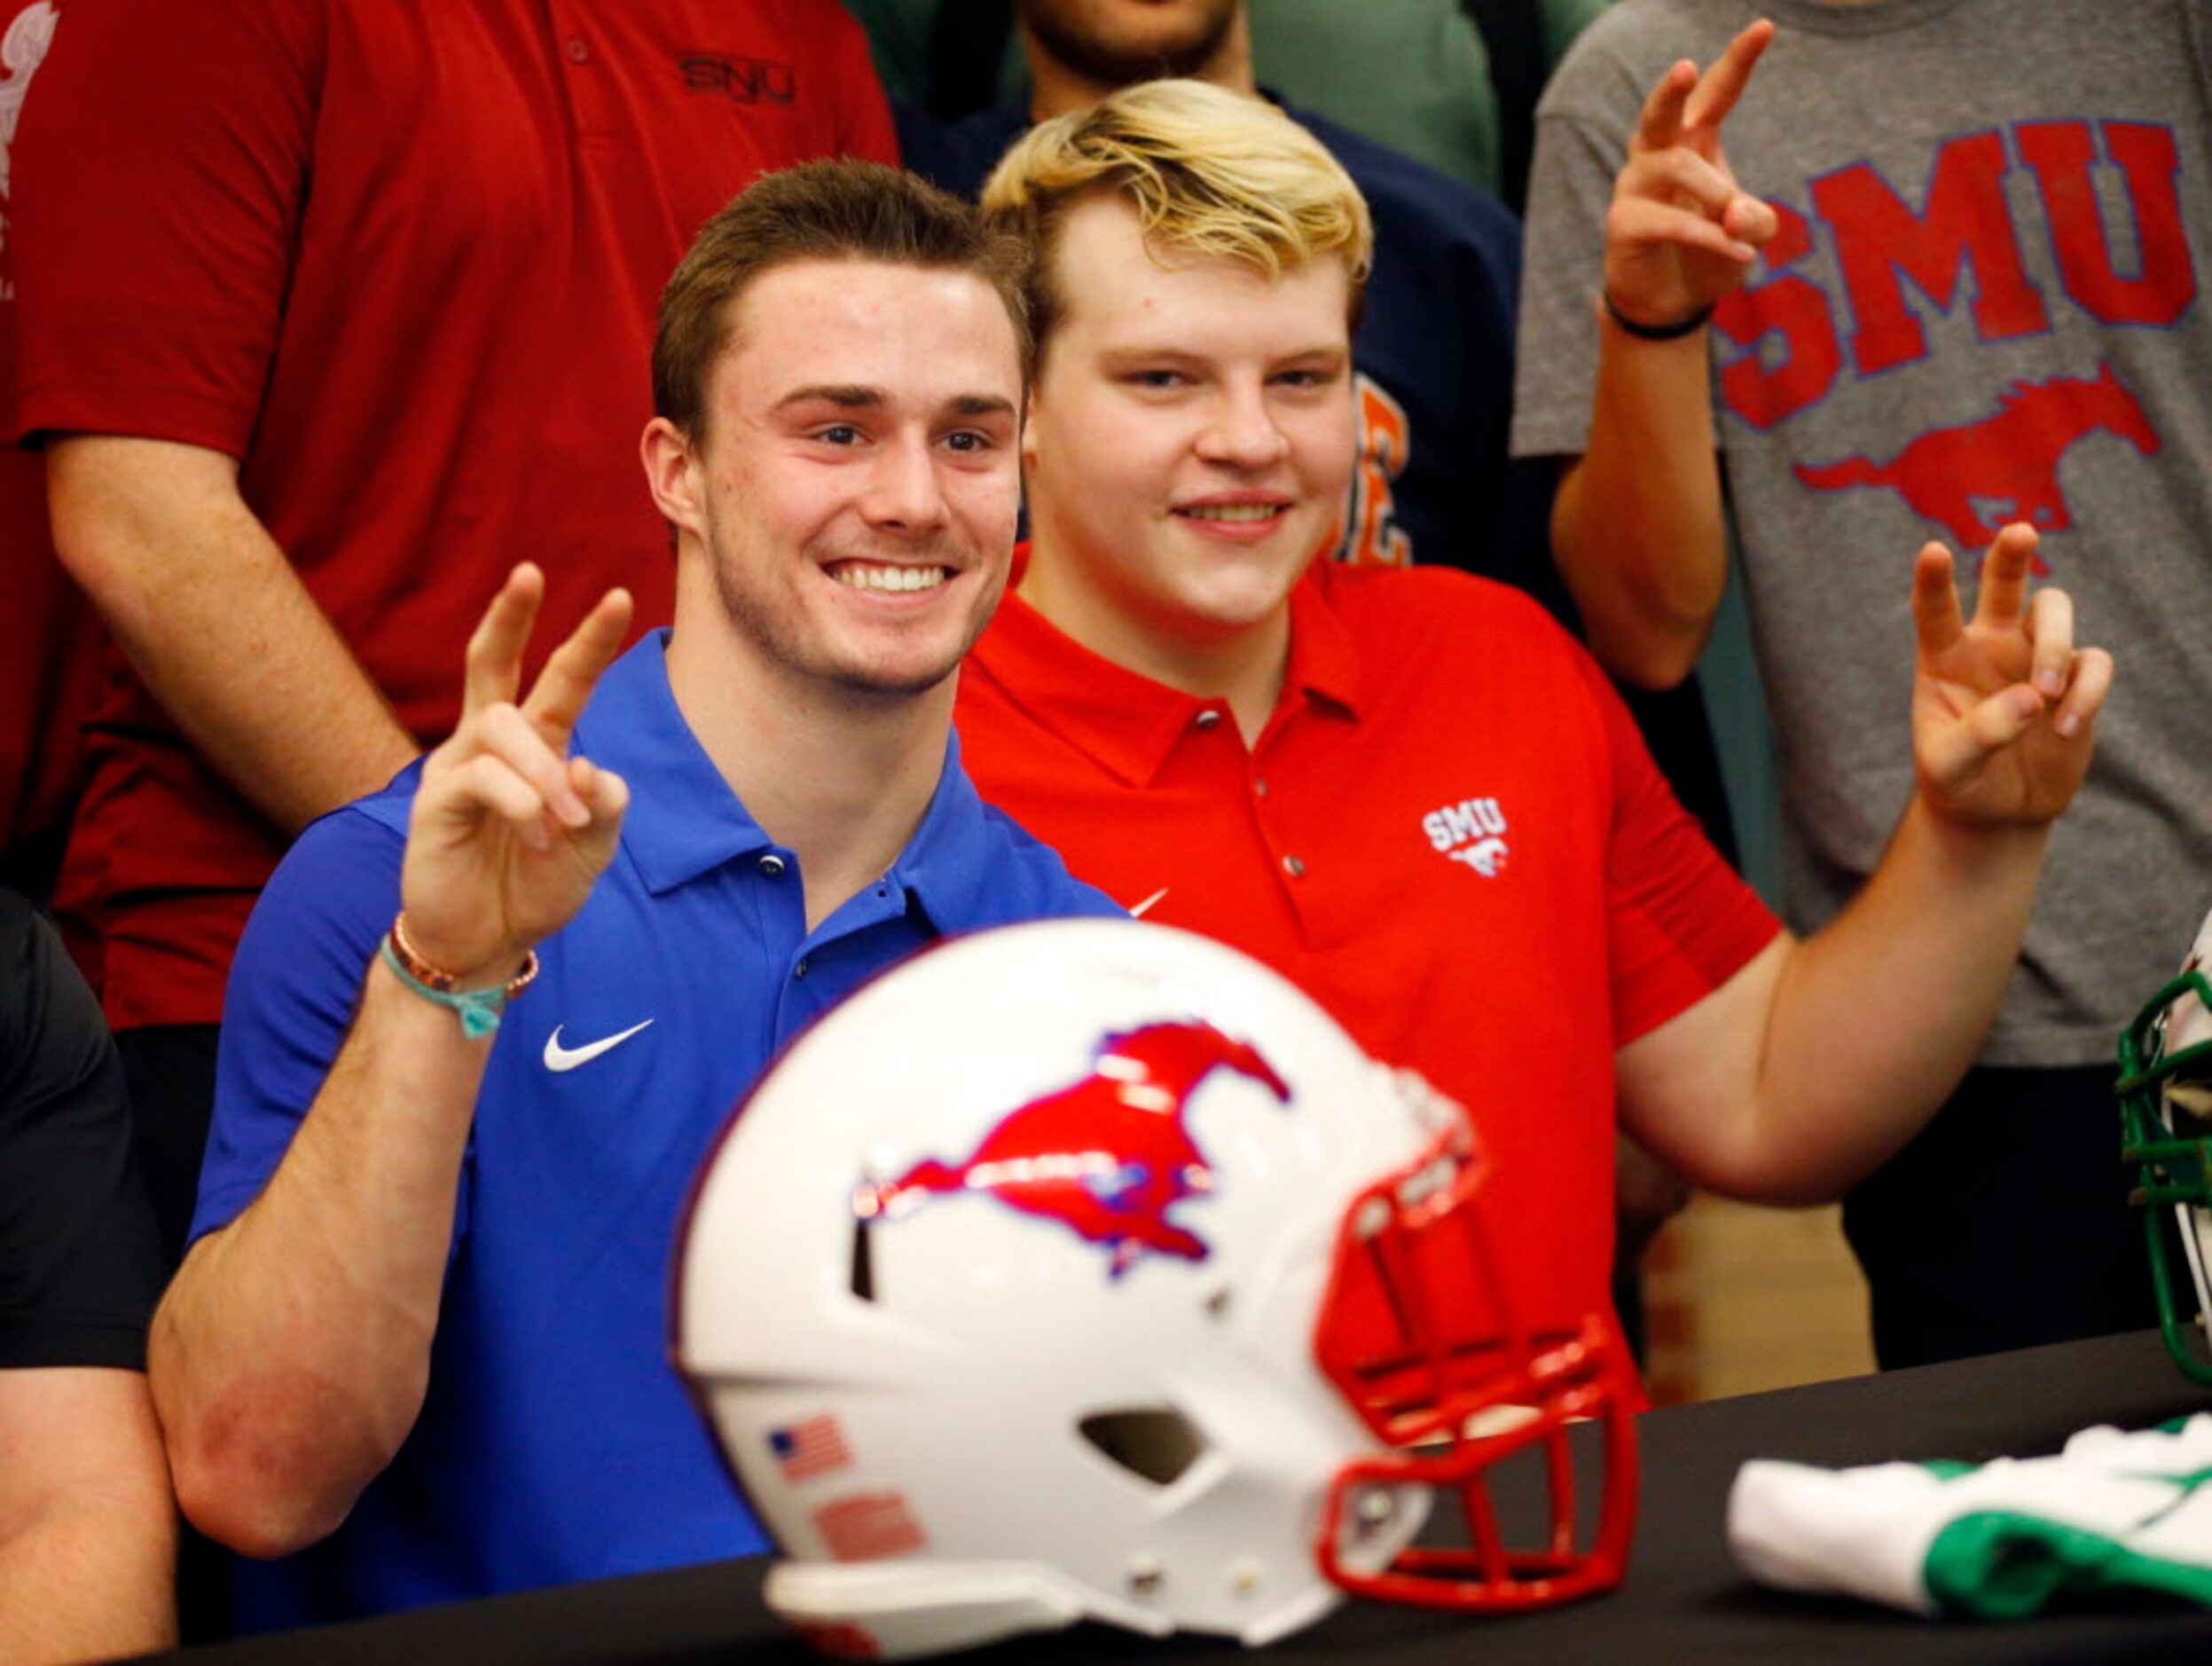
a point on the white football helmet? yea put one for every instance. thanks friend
(2165, 1120)
(1088, 1270)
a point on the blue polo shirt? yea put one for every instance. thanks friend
(556, 1442)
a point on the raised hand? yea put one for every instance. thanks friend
(2002, 707)
(1680, 235)
(509, 833)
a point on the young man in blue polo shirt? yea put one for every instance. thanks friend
(418, 1349)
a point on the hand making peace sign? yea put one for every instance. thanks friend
(508, 832)
(1680, 234)
(2004, 705)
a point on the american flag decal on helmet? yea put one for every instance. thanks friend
(863, 1527)
(812, 1446)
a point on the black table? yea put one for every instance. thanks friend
(1683, 1600)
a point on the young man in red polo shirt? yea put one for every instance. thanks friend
(1410, 791)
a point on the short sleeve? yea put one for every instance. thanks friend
(294, 989)
(864, 114)
(1563, 255)
(79, 1260)
(152, 254)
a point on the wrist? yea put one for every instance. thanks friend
(1650, 330)
(1977, 836)
(433, 963)
(478, 999)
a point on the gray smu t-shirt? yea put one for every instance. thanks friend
(1986, 302)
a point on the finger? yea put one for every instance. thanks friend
(1676, 173)
(501, 731)
(1661, 123)
(494, 662)
(1988, 727)
(1722, 85)
(556, 699)
(606, 793)
(1935, 615)
(1635, 226)
(1751, 221)
(2085, 692)
(608, 796)
(1636, 223)
(2051, 635)
(488, 783)
(2003, 598)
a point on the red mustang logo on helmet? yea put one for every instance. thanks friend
(2007, 462)
(1106, 1157)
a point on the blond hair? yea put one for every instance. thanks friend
(1209, 172)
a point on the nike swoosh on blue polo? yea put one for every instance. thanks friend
(559, 1058)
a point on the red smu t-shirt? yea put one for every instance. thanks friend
(402, 262)
(48, 637)
(1449, 834)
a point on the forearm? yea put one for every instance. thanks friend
(219, 626)
(87, 1526)
(290, 1357)
(89, 1579)
(1637, 527)
(1876, 1016)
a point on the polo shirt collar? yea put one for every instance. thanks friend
(942, 870)
(1127, 722)
(684, 820)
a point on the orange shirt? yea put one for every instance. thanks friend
(1449, 834)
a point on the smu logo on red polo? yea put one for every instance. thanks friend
(1471, 831)
(2123, 260)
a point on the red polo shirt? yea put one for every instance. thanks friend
(401, 261)
(1449, 834)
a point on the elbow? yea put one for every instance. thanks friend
(260, 1467)
(1647, 653)
(244, 1506)
(263, 1481)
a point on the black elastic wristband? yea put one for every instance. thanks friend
(1672, 332)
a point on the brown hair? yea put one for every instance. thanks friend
(828, 210)
(1209, 172)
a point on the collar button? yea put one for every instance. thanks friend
(772, 866)
(1207, 718)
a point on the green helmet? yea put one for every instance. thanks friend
(2165, 1091)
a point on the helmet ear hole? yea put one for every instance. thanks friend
(1155, 1443)
(862, 1282)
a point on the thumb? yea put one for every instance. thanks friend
(1957, 749)
(606, 796)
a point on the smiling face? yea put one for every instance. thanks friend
(1189, 442)
(852, 494)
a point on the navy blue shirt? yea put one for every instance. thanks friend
(555, 1441)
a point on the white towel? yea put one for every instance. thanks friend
(1995, 1541)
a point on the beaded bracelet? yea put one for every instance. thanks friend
(479, 1009)
(1672, 332)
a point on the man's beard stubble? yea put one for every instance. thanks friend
(1059, 28)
